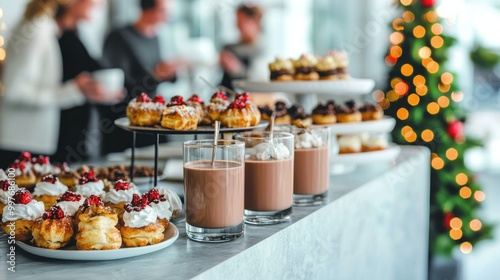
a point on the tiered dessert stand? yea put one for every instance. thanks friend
(306, 93)
(124, 123)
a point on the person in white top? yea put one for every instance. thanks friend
(34, 93)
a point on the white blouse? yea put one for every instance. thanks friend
(34, 92)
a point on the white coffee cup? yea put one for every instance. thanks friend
(111, 79)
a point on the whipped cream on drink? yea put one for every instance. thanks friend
(270, 151)
(307, 140)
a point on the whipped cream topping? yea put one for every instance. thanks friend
(341, 58)
(270, 151)
(46, 188)
(218, 106)
(91, 188)
(182, 110)
(326, 63)
(281, 64)
(139, 219)
(3, 175)
(350, 141)
(147, 105)
(306, 60)
(308, 140)
(4, 195)
(45, 169)
(28, 212)
(162, 209)
(375, 142)
(70, 207)
(118, 196)
(172, 198)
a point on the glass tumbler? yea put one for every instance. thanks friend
(214, 191)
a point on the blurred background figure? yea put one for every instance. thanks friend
(135, 49)
(237, 59)
(45, 109)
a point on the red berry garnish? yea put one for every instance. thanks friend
(159, 99)
(245, 97)
(143, 98)
(88, 177)
(93, 200)
(144, 201)
(136, 200)
(4, 185)
(40, 160)
(196, 98)
(121, 185)
(153, 195)
(54, 212)
(220, 94)
(69, 196)
(50, 179)
(176, 101)
(21, 165)
(22, 196)
(137, 203)
(237, 104)
(25, 156)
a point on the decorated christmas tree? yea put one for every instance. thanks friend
(424, 98)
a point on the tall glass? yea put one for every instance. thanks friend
(312, 166)
(268, 177)
(214, 194)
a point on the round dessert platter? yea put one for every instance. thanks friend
(71, 253)
(337, 87)
(124, 123)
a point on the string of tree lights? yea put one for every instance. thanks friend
(424, 97)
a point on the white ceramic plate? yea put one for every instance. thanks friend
(387, 155)
(340, 87)
(71, 253)
(383, 125)
(124, 123)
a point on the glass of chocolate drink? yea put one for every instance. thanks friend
(214, 190)
(268, 177)
(312, 166)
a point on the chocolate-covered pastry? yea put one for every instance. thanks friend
(348, 113)
(281, 113)
(324, 113)
(371, 112)
(299, 116)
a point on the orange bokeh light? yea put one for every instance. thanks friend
(402, 114)
(465, 192)
(443, 101)
(433, 108)
(413, 99)
(419, 31)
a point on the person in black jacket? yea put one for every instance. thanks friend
(135, 49)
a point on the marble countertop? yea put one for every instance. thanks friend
(186, 259)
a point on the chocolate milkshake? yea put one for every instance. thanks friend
(312, 166)
(268, 177)
(214, 195)
(312, 170)
(268, 184)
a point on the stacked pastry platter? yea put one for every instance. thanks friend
(86, 213)
(192, 116)
(357, 127)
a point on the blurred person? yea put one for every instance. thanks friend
(236, 59)
(247, 59)
(135, 49)
(44, 109)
